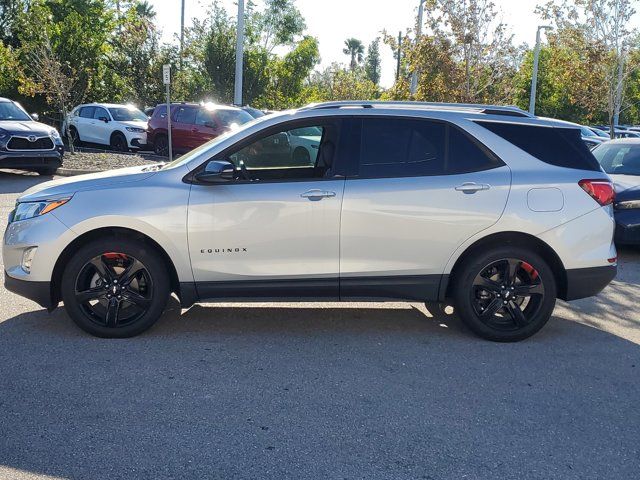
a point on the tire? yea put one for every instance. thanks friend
(122, 306)
(491, 311)
(46, 170)
(119, 143)
(75, 137)
(161, 145)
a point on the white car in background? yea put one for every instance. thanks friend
(304, 143)
(122, 127)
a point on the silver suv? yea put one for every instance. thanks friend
(495, 211)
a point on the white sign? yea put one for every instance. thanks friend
(166, 74)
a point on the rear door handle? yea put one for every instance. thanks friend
(315, 195)
(472, 187)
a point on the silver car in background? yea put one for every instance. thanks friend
(486, 207)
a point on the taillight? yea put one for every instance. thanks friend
(600, 190)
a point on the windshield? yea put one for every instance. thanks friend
(230, 117)
(127, 114)
(212, 143)
(587, 132)
(619, 158)
(11, 111)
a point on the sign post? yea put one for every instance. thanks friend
(166, 79)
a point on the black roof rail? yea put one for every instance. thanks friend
(476, 108)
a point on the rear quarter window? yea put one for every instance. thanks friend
(562, 147)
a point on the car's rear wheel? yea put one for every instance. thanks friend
(161, 145)
(115, 288)
(119, 142)
(505, 294)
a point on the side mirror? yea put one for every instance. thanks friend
(104, 119)
(35, 116)
(217, 171)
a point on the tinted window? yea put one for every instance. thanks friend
(160, 111)
(562, 147)
(467, 156)
(99, 113)
(619, 158)
(400, 148)
(396, 147)
(87, 112)
(186, 115)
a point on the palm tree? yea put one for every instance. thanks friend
(355, 48)
(145, 10)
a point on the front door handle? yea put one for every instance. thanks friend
(315, 195)
(472, 187)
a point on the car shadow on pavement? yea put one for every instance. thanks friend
(17, 182)
(379, 391)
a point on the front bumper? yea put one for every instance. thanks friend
(32, 159)
(627, 227)
(136, 139)
(587, 282)
(39, 292)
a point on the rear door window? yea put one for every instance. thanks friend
(395, 147)
(562, 147)
(186, 115)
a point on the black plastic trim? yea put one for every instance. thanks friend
(587, 282)
(401, 287)
(39, 292)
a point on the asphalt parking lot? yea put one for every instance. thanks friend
(351, 391)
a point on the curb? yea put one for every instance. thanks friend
(70, 172)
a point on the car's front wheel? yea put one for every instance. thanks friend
(161, 145)
(505, 294)
(115, 287)
(119, 142)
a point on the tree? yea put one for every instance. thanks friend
(606, 25)
(372, 64)
(279, 24)
(355, 49)
(10, 10)
(336, 83)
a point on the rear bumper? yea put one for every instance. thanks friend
(587, 282)
(36, 159)
(39, 292)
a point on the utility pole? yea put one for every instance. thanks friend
(534, 76)
(181, 33)
(414, 75)
(237, 97)
(399, 55)
(618, 102)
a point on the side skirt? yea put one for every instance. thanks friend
(388, 288)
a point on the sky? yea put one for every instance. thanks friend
(333, 21)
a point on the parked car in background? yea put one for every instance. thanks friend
(618, 132)
(621, 160)
(122, 127)
(149, 111)
(26, 144)
(304, 143)
(192, 124)
(589, 138)
(488, 208)
(254, 112)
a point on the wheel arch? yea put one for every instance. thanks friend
(118, 232)
(118, 132)
(510, 238)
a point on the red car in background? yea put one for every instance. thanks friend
(192, 124)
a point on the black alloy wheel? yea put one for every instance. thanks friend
(504, 294)
(507, 294)
(161, 146)
(115, 287)
(119, 143)
(114, 290)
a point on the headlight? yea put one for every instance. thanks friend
(629, 204)
(135, 129)
(28, 210)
